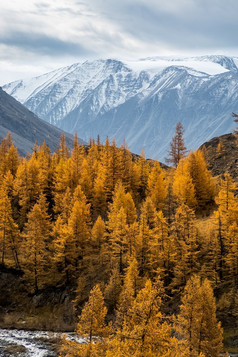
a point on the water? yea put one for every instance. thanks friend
(35, 342)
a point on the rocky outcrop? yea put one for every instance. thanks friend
(50, 309)
(221, 154)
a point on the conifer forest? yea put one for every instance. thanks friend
(148, 252)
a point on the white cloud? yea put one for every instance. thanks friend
(42, 34)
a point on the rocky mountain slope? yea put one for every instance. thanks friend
(26, 128)
(138, 101)
(221, 154)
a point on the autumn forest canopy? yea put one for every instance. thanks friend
(150, 253)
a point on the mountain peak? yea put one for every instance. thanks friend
(139, 101)
(224, 61)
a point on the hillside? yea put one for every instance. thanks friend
(221, 154)
(139, 238)
(138, 101)
(26, 128)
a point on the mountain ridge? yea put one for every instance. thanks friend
(139, 102)
(26, 128)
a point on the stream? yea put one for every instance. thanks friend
(36, 343)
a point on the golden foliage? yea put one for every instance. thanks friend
(100, 215)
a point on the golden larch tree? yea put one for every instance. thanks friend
(9, 234)
(91, 326)
(131, 286)
(204, 185)
(178, 149)
(144, 332)
(36, 236)
(183, 187)
(197, 324)
(185, 240)
(157, 186)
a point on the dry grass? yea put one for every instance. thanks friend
(231, 340)
(15, 349)
(54, 342)
(48, 318)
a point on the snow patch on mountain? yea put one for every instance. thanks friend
(198, 64)
(139, 101)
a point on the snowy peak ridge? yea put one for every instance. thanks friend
(208, 64)
(69, 86)
(226, 62)
(137, 100)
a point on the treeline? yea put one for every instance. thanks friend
(102, 220)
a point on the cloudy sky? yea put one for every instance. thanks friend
(37, 36)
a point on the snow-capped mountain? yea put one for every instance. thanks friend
(139, 101)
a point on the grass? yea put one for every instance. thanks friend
(231, 340)
(15, 349)
(47, 318)
(54, 342)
